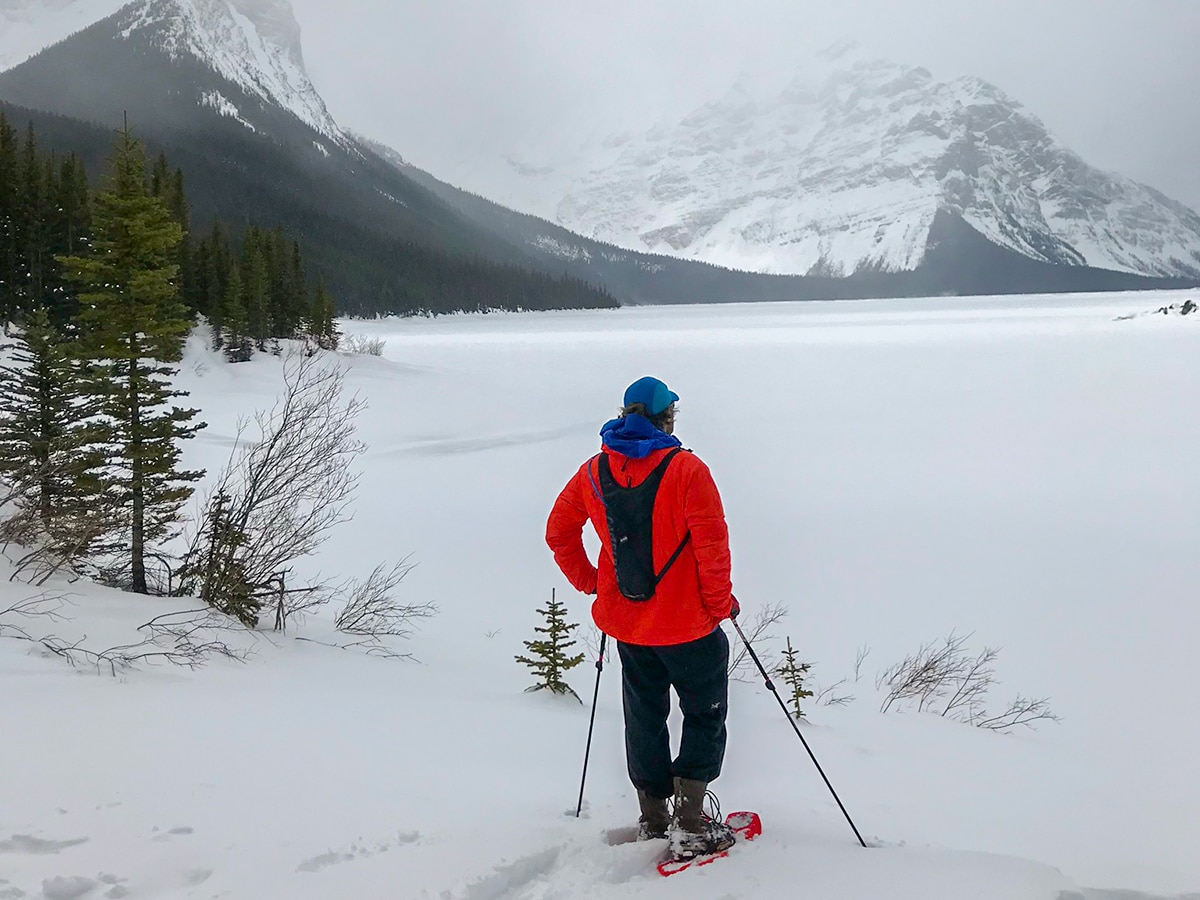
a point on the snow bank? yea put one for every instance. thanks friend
(1023, 468)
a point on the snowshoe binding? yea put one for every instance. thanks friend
(697, 829)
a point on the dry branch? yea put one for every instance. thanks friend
(1023, 711)
(372, 610)
(183, 639)
(833, 695)
(949, 681)
(758, 634)
(370, 646)
(279, 497)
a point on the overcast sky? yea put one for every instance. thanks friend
(1116, 80)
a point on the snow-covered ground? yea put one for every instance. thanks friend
(1024, 469)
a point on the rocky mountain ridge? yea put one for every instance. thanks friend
(220, 86)
(843, 173)
(254, 44)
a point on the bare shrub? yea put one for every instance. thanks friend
(1021, 711)
(759, 634)
(927, 676)
(370, 646)
(372, 609)
(46, 551)
(278, 498)
(833, 695)
(48, 544)
(362, 345)
(46, 607)
(591, 641)
(860, 657)
(189, 638)
(947, 680)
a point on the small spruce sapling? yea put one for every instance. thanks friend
(548, 657)
(794, 674)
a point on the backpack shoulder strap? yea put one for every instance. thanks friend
(601, 461)
(666, 460)
(687, 536)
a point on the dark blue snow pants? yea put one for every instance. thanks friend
(698, 671)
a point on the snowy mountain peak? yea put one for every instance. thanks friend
(276, 22)
(845, 169)
(253, 43)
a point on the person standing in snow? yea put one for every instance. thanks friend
(662, 587)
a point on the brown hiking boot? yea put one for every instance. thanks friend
(695, 832)
(654, 820)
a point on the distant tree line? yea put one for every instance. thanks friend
(250, 287)
(381, 243)
(256, 294)
(44, 214)
(430, 282)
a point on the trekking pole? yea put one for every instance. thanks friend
(796, 728)
(592, 724)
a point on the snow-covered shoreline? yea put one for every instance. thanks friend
(1020, 468)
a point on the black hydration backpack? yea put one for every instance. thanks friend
(630, 515)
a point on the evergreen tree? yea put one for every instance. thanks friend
(43, 214)
(50, 454)
(70, 215)
(299, 288)
(168, 187)
(30, 222)
(794, 675)
(74, 206)
(288, 294)
(256, 286)
(212, 276)
(218, 570)
(323, 326)
(238, 346)
(548, 656)
(132, 327)
(9, 192)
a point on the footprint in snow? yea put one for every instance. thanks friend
(75, 886)
(197, 876)
(117, 889)
(324, 861)
(514, 880)
(357, 850)
(68, 887)
(181, 831)
(24, 843)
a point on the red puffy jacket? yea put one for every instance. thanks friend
(695, 593)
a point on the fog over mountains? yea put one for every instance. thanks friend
(29, 26)
(865, 177)
(844, 170)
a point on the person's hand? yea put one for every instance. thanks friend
(735, 608)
